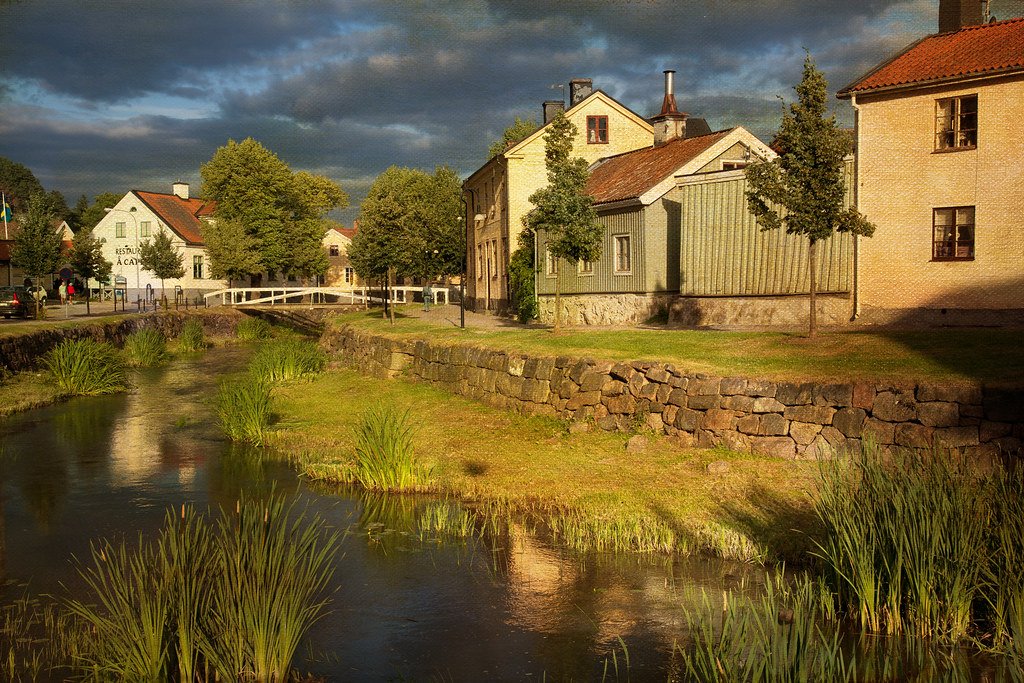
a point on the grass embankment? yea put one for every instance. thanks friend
(587, 486)
(992, 356)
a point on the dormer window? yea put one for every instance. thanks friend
(597, 130)
(956, 123)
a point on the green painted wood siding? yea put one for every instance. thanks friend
(723, 252)
(604, 279)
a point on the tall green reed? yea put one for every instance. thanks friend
(144, 348)
(87, 367)
(244, 407)
(253, 329)
(385, 457)
(287, 359)
(191, 337)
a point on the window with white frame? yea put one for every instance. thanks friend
(119, 230)
(197, 267)
(956, 123)
(144, 228)
(623, 257)
(334, 250)
(550, 264)
(953, 234)
(586, 267)
(350, 275)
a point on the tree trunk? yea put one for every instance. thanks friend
(558, 295)
(391, 300)
(813, 257)
(88, 311)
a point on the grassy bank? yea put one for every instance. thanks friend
(947, 355)
(587, 486)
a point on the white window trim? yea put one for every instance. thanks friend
(615, 254)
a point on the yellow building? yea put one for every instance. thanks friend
(497, 194)
(939, 144)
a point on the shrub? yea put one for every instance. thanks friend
(522, 281)
(145, 348)
(191, 337)
(87, 367)
(253, 329)
(244, 409)
(385, 460)
(287, 359)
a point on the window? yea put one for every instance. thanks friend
(734, 165)
(197, 267)
(956, 122)
(586, 268)
(953, 234)
(550, 264)
(334, 250)
(119, 229)
(597, 130)
(479, 261)
(492, 261)
(350, 276)
(623, 263)
(144, 229)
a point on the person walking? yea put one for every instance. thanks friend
(71, 293)
(63, 289)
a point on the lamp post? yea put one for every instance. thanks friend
(135, 222)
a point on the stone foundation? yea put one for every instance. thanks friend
(940, 317)
(758, 311)
(605, 309)
(783, 419)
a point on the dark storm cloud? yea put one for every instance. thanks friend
(106, 95)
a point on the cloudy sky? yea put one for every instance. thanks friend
(111, 95)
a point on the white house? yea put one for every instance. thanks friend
(138, 217)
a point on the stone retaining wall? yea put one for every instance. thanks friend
(22, 351)
(783, 419)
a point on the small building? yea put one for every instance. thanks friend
(340, 272)
(11, 275)
(138, 217)
(939, 140)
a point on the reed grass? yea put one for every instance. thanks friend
(144, 348)
(923, 544)
(287, 359)
(253, 329)
(385, 457)
(192, 338)
(86, 367)
(244, 408)
(583, 532)
(445, 520)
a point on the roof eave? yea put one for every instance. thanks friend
(945, 80)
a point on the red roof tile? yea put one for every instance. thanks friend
(973, 51)
(180, 215)
(629, 175)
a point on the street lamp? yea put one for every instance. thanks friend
(135, 222)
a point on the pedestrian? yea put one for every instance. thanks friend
(428, 295)
(71, 293)
(63, 292)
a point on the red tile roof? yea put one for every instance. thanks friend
(984, 50)
(629, 175)
(181, 215)
(347, 232)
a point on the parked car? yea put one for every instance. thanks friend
(14, 301)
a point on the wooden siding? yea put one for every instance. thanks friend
(725, 253)
(604, 280)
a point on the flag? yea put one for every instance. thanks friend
(6, 212)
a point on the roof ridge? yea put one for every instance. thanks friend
(977, 27)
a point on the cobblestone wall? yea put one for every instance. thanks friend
(783, 419)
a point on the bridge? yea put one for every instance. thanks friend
(271, 296)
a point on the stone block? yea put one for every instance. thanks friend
(708, 439)
(989, 431)
(804, 432)
(773, 424)
(546, 369)
(718, 420)
(685, 440)
(609, 423)
(686, 419)
(894, 406)
(863, 395)
(733, 385)
(535, 390)
(760, 387)
(968, 394)
(850, 421)
(655, 407)
(530, 368)
(838, 395)
(613, 388)
(669, 415)
(913, 435)
(743, 404)
(636, 444)
(578, 369)
(705, 386)
(648, 391)
(676, 397)
(677, 382)
(623, 404)
(972, 410)
(621, 371)
(749, 424)
(567, 388)
(735, 441)
(593, 381)
(767, 404)
(955, 437)
(654, 422)
(583, 398)
(703, 401)
(658, 374)
(664, 391)
(938, 414)
(821, 415)
(774, 446)
(636, 383)
(794, 394)
(878, 432)
(600, 410)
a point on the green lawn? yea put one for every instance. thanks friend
(991, 356)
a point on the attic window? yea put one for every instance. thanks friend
(734, 165)
(597, 130)
(334, 250)
(956, 123)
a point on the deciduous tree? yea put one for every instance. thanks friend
(563, 211)
(518, 130)
(87, 259)
(37, 246)
(232, 250)
(160, 257)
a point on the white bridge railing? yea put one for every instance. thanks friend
(262, 296)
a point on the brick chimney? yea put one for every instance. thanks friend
(670, 124)
(955, 14)
(551, 109)
(579, 90)
(180, 190)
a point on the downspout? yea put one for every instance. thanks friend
(536, 274)
(856, 204)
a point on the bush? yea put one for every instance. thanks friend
(191, 337)
(287, 359)
(385, 460)
(87, 367)
(145, 348)
(521, 280)
(253, 329)
(244, 409)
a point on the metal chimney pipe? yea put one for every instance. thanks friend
(669, 87)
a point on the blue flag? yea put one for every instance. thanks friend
(6, 214)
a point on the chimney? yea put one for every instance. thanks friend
(955, 14)
(180, 189)
(551, 109)
(579, 90)
(670, 124)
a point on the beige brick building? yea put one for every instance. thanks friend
(497, 194)
(939, 145)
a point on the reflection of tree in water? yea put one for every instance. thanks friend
(83, 430)
(245, 471)
(43, 482)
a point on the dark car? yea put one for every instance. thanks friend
(14, 301)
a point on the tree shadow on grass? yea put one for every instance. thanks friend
(787, 528)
